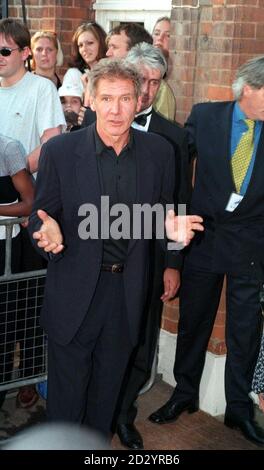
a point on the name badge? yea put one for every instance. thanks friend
(233, 202)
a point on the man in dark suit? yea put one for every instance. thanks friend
(228, 139)
(165, 278)
(95, 288)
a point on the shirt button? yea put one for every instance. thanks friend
(252, 263)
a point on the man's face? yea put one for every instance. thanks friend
(150, 87)
(13, 64)
(117, 45)
(252, 103)
(115, 104)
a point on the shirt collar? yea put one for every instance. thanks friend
(239, 115)
(146, 111)
(101, 147)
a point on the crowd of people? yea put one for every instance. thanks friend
(104, 294)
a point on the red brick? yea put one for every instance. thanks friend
(169, 326)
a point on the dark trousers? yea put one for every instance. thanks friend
(199, 299)
(140, 365)
(85, 376)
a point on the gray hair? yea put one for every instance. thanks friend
(251, 73)
(146, 55)
(111, 69)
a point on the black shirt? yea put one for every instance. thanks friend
(118, 181)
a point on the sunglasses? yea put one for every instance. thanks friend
(7, 51)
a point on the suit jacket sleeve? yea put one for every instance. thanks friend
(47, 196)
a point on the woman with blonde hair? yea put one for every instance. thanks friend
(46, 55)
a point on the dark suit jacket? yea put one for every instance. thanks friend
(67, 178)
(178, 138)
(233, 242)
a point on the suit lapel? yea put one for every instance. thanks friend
(154, 123)
(86, 169)
(223, 126)
(144, 176)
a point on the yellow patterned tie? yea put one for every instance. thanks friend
(242, 156)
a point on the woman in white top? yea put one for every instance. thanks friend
(46, 55)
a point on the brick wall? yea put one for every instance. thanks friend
(208, 44)
(62, 16)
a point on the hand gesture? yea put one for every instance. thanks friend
(182, 228)
(49, 235)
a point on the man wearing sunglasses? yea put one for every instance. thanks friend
(30, 109)
(30, 112)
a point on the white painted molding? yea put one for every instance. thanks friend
(132, 5)
(108, 13)
(212, 396)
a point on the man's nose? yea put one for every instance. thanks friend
(115, 107)
(145, 88)
(108, 53)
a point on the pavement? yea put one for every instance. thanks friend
(198, 431)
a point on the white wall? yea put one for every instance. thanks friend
(212, 396)
(143, 11)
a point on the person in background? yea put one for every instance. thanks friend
(258, 378)
(161, 35)
(71, 100)
(88, 44)
(165, 102)
(16, 199)
(123, 37)
(227, 138)
(30, 112)
(46, 55)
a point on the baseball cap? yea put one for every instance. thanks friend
(71, 89)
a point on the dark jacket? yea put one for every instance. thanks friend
(67, 178)
(233, 242)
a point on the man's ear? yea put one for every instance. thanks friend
(26, 52)
(92, 103)
(139, 104)
(247, 90)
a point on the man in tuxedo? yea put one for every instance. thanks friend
(228, 140)
(95, 291)
(163, 283)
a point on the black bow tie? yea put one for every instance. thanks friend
(142, 118)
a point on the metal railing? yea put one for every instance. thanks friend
(23, 348)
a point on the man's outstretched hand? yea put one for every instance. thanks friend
(49, 235)
(182, 228)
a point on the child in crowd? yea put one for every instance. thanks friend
(71, 95)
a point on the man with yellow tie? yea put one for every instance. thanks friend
(228, 141)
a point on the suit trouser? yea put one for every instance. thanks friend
(140, 365)
(85, 376)
(199, 299)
